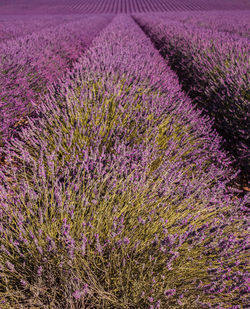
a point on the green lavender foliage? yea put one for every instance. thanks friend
(114, 195)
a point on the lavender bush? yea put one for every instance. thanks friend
(114, 195)
(214, 69)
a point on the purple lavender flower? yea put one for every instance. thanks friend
(77, 294)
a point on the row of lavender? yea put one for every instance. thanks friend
(30, 62)
(213, 68)
(115, 197)
(232, 22)
(14, 26)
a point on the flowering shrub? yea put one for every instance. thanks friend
(114, 195)
(214, 69)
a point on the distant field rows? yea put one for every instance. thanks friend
(118, 6)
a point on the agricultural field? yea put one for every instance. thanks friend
(124, 154)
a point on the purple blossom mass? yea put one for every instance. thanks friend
(124, 154)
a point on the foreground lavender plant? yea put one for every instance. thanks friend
(115, 197)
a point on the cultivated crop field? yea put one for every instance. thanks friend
(124, 154)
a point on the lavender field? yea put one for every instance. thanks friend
(124, 154)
